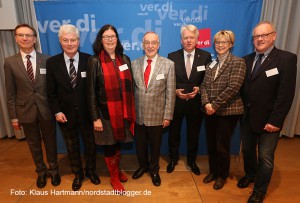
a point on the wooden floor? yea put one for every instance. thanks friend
(17, 183)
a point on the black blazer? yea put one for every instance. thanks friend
(62, 97)
(201, 58)
(267, 99)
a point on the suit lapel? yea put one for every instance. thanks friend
(182, 65)
(194, 66)
(158, 66)
(63, 69)
(22, 67)
(80, 69)
(224, 66)
(272, 55)
(38, 67)
(249, 63)
(141, 70)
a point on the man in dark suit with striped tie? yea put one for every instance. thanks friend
(66, 87)
(25, 80)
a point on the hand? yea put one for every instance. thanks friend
(193, 93)
(180, 94)
(209, 109)
(271, 128)
(98, 125)
(60, 117)
(166, 123)
(16, 125)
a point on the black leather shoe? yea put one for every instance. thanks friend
(171, 166)
(139, 173)
(55, 179)
(245, 182)
(93, 177)
(41, 181)
(194, 168)
(219, 183)
(76, 185)
(155, 179)
(256, 197)
(209, 178)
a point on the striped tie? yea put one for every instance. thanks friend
(72, 73)
(29, 69)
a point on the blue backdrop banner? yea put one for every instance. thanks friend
(133, 18)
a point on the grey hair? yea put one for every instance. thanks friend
(68, 28)
(151, 32)
(191, 28)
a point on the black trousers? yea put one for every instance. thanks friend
(36, 132)
(72, 141)
(152, 136)
(219, 131)
(193, 117)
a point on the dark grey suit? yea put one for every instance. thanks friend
(28, 103)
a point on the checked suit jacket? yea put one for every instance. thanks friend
(223, 92)
(155, 103)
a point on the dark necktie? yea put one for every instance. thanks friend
(72, 73)
(188, 66)
(147, 72)
(29, 69)
(257, 65)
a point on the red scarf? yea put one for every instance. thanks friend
(119, 94)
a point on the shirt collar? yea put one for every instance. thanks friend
(186, 53)
(67, 58)
(32, 54)
(266, 53)
(153, 59)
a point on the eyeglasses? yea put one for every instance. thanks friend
(25, 35)
(264, 36)
(221, 42)
(112, 37)
(147, 43)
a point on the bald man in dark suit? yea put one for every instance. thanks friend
(267, 93)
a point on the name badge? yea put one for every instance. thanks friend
(123, 67)
(272, 72)
(200, 68)
(160, 76)
(213, 64)
(83, 74)
(42, 71)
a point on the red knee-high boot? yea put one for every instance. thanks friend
(112, 166)
(122, 176)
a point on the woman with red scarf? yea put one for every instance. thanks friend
(110, 99)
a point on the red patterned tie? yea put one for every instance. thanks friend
(29, 69)
(147, 72)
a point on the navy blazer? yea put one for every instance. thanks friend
(268, 96)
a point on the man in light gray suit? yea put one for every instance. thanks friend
(154, 100)
(25, 80)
